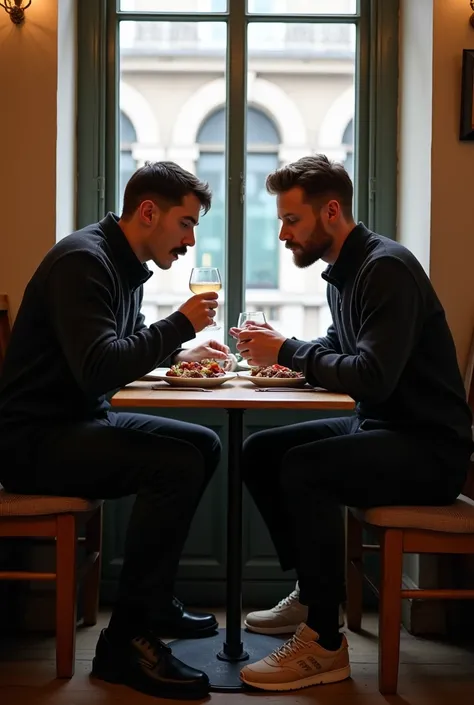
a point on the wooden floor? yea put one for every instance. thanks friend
(431, 673)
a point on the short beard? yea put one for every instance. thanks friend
(318, 244)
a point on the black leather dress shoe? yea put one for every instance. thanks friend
(144, 663)
(175, 621)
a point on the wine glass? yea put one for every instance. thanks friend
(204, 279)
(257, 317)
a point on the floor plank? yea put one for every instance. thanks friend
(431, 673)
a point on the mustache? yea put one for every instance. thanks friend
(179, 251)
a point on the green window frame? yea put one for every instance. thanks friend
(375, 121)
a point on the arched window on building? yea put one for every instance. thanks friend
(262, 227)
(128, 165)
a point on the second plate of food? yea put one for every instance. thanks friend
(274, 376)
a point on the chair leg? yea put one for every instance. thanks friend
(354, 577)
(91, 581)
(66, 552)
(390, 610)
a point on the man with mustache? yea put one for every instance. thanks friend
(390, 348)
(78, 337)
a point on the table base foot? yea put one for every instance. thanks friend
(224, 675)
(242, 655)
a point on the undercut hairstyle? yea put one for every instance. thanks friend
(318, 177)
(165, 183)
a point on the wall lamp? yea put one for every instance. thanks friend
(16, 9)
(471, 19)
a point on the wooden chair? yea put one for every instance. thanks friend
(439, 530)
(4, 327)
(58, 518)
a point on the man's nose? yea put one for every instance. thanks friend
(190, 239)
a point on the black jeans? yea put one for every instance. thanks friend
(166, 463)
(300, 475)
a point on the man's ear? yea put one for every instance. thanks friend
(334, 209)
(149, 212)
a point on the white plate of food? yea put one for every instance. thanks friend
(274, 376)
(206, 374)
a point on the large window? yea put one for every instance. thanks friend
(305, 83)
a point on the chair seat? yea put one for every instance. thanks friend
(17, 505)
(457, 518)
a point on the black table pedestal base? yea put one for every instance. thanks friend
(223, 656)
(204, 654)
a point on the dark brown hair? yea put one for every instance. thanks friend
(166, 183)
(318, 177)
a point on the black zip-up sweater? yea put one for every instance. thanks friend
(389, 346)
(79, 334)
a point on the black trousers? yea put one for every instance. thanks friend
(166, 463)
(299, 477)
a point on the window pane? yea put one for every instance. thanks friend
(301, 79)
(128, 164)
(210, 241)
(172, 79)
(260, 129)
(348, 145)
(262, 256)
(212, 131)
(300, 7)
(261, 226)
(348, 136)
(173, 5)
(290, 42)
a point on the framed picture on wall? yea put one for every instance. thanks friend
(467, 96)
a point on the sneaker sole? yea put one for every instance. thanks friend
(111, 676)
(340, 674)
(288, 629)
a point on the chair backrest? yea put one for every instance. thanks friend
(469, 386)
(469, 377)
(5, 327)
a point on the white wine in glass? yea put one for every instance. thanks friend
(204, 279)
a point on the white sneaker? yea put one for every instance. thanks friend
(284, 618)
(299, 663)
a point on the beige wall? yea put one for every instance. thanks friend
(436, 215)
(28, 129)
(452, 196)
(415, 128)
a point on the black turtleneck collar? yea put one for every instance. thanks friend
(350, 257)
(133, 270)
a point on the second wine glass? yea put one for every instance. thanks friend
(257, 317)
(204, 279)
